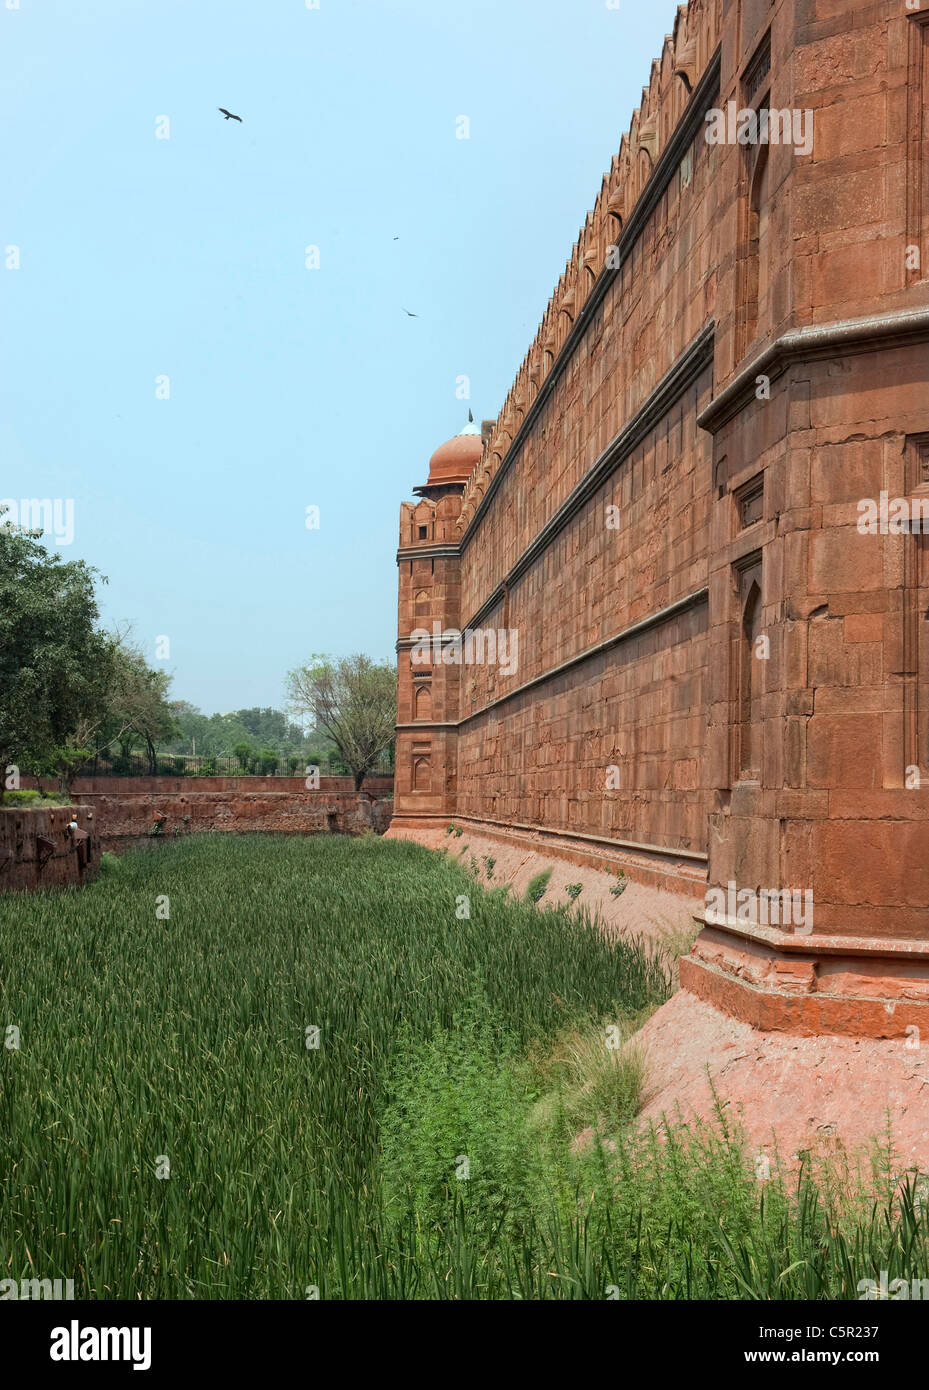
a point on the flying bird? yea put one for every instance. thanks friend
(228, 114)
(412, 316)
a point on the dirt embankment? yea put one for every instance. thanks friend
(827, 1096)
(658, 917)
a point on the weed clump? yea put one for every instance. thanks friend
(535, 892)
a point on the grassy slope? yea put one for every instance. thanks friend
(442, 1039)
(142, 1037)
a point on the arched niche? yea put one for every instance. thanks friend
(751, 677)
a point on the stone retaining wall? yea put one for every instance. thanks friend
(114, 818)
(23, 863)
(378, 786)
(127, 815)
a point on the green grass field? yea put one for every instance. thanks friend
(167, 1132)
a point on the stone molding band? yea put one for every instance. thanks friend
(662, 615)
(815, 341)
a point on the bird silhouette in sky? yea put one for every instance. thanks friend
(228, 114)
(412, 316)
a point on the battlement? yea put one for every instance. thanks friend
(685, 56)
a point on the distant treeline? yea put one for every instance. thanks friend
(250, 732)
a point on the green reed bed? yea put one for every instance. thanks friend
(166, 1132)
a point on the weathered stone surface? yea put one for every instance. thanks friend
(120, 816)
(379, 786)
(731, 668)
(24, 866)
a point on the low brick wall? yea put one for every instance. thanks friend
(163, 786)
(121, 816)
(118, 813)
(21, 856)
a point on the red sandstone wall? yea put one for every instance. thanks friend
(19, 829)
(794, 768)
(119, 815)
(845, 705)
(546, 757)
(630, 346)
(542, 757)
(377, 786)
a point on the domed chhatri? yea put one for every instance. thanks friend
(455, 460)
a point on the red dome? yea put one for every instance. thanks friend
(455, 461)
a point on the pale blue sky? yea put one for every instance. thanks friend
(185, 257)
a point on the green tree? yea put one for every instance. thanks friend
(139, 709)
(353, 700)
(245, 753)
(267, 762)
(192, 729)
(52, 654)
(218, 734)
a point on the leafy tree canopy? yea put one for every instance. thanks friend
(216, 735)
(354, 700)
(54, 661)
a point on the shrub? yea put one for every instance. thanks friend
(594, 1077)
(537, 886)
(267, 762)
(620, 885)
(244, 753)
(454, 1137)
(24, 797)
(21, 798)
(574, 890)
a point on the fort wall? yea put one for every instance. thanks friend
(714, 658)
